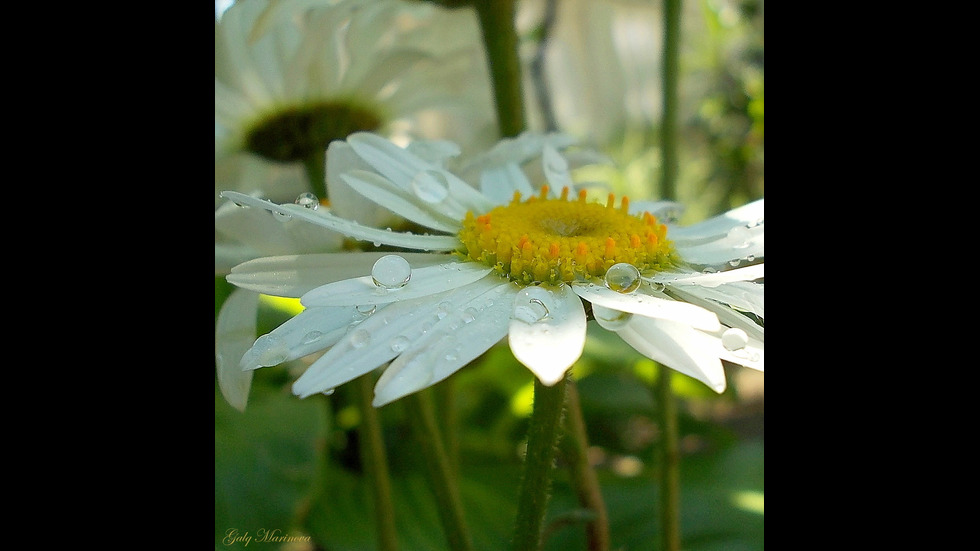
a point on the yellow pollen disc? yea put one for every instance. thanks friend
(550, 240)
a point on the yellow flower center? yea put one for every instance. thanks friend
(552, 240)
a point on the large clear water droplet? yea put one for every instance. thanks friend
(430, 186)
(532, 304)
(308, 200)
(623, 278)
(391, 272)
(734, 339)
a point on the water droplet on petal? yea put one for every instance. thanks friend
(739, 236)
(308, 200)
(470, 314)
(270, 350)
(430, 186)
(532, 305)
(311, 336)
(359, 338)
(399, 344)
(623, 278)
(391, 272)
(612, 320)
(734, 339)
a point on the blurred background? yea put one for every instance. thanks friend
(293, 464)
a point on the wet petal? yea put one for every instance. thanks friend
(424, 282)
(383, 192)
(312, 330)
(547, 330)
(376, 340)
(648, 305)
(348, 228)
(233, 336)
(677, 346)
(457, 339)
(295, 275)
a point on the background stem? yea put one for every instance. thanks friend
(669, 459)
(421, 414)
(583, 475)
(500, 39)
(375, 463)
(669, 463)
(542, 439)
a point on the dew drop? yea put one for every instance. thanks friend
(623, 278)
(311, 337)
(734, 339)
(612, 320)
(308, 200)
(359, 338)
(531, 305)
(399, 344)
(470, 314)
(430, 186)
(270, 350)
(739, 235)
(391, 272)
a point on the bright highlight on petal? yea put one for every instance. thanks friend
(547, 330)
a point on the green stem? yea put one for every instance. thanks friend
(669, 457)
(501, 43)
(583, 475)
(668, 128)
(375, 463)
(542, 439)
(316, 172)
(421, 414)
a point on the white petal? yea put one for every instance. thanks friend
(424, 282)
(376, 340)
(712, 279)
(499, 183)
(233, 336)
(751, 355)
(456, 340)
(548, 345)
(651, 306)
(677, 346)
(295, 275)
(386, 194)
(310, 331)
(348, 228)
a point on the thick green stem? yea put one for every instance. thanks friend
(375, 463)
(669, 460)
(668, 127)
(542, 440)
(583, 475)
(421, 414)
(501, 42)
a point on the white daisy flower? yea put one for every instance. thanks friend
(290, 77)
(506, 262)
